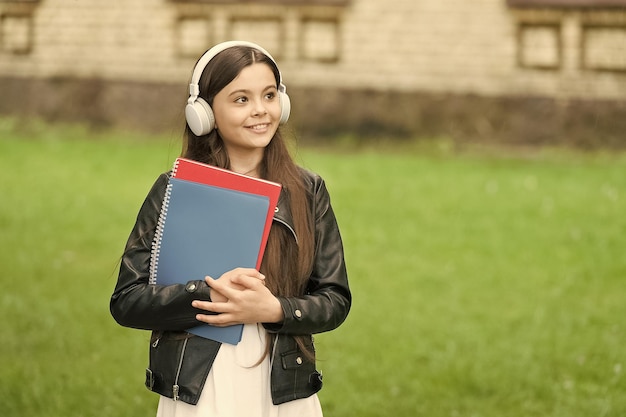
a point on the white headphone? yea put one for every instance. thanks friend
(199, 114)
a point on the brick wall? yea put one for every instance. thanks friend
(432, 45)
(116, 39)
(413, 47)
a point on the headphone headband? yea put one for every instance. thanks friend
(198, 112)
(194, 88)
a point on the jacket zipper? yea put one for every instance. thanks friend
(272, 358)
(175, 387)
(273, 352)
(293, 232)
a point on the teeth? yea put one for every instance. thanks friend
(259, 127)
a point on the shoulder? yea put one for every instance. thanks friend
(159, 185)
(312, 181)
(318, 193)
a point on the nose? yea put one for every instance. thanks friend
(258, 108)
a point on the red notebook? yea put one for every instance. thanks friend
(186, 169)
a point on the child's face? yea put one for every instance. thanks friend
(247, 111)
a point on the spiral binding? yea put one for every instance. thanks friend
(155, 251)
(175, 168)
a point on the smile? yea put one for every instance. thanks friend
(261, 126)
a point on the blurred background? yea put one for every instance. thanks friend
(511, 71)
(474, 152)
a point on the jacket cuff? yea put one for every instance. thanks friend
(291, 314)
(200, 288)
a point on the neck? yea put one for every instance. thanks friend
(252, 173)
(246, 164)
(245, 169)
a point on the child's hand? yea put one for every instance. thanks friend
(227, 278)
(239, 296)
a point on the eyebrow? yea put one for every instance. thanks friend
(271, 86)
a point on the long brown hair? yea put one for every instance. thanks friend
(287, 263)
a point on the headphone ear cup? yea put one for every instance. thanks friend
(285, 107)
(200, 117)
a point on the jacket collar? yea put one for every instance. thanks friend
(282, 213)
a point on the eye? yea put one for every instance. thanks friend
(270, 96)
(242, 99)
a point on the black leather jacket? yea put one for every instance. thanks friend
(179, 361)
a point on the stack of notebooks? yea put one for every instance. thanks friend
(212, 220)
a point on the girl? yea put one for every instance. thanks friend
(233, 114)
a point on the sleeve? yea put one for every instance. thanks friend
(137, 303)
(328, 299)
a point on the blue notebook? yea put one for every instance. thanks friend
(206, 230)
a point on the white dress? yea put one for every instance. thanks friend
(237, 388)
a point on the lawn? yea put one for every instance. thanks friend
(485, 285)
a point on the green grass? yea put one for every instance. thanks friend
(484, 285)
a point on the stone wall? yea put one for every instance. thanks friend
(378, 67)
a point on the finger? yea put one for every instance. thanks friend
(210, 306)
(218, 320)
(249, 281)
(245, 271)
(219, 285)
(225, 281)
